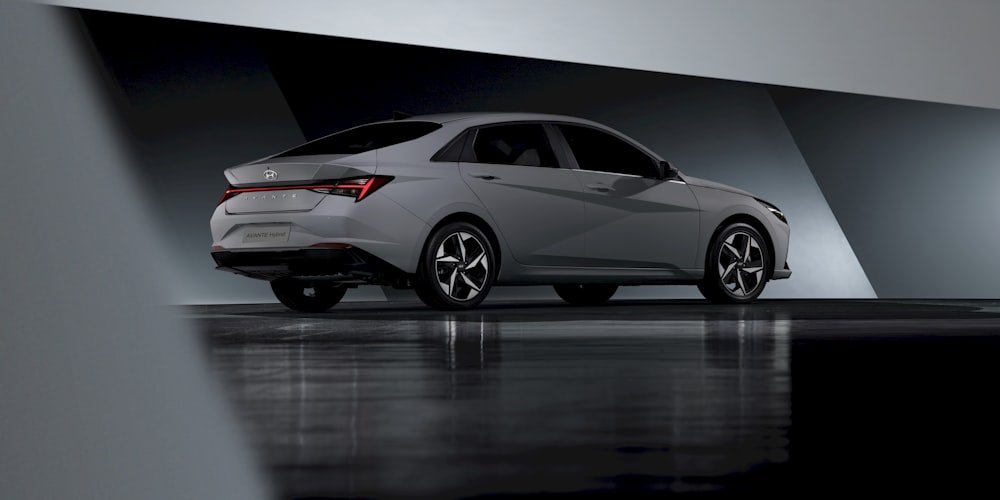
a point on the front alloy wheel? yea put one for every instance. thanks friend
(738, 266)
(457, 268)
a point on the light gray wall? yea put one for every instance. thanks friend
(105, 393)
(914, 186)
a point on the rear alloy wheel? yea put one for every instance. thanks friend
(738, 266)
(457, 268)
(307, 296)
(585, 295)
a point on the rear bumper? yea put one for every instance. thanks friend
(348, 265)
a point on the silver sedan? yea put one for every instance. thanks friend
(454, 204)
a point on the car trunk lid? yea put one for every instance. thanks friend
(285, 171)
(282, 184)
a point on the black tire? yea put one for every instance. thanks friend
(457, 268)
(307, 296)
(738, 266)
(585, 295)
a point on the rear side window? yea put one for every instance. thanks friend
(452, 151)
(520, 144)
(364, 138)
(602, 152)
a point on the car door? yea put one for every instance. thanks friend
(634, 218)
(535, 203)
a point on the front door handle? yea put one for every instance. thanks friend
(488, 177)
(604, 188)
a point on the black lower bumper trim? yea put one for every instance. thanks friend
(339, 264)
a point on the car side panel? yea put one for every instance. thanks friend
(429, 192)
(639, 222)
(537, 210)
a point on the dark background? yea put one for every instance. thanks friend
(200, 97)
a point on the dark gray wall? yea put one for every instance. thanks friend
(913, 184)
(192, 98)
(914, 49)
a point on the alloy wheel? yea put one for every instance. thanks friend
(741, 264)
(462, 266)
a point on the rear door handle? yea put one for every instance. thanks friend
(488, 177)
(604, 188)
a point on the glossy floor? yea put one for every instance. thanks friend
(393, 400)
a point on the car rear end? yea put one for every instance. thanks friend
(317, 212)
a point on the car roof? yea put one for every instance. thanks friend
(467, 119)
(485, 117)
(476, 118)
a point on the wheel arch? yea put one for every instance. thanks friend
(477, 221)
(750, 221)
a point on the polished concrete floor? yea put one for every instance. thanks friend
(792, 398)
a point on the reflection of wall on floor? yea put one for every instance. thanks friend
(218, 96)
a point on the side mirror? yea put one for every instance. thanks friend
(668, 171)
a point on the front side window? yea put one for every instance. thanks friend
(602, 152)
(364, 138)
(520, 144)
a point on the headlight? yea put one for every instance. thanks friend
(774, 210)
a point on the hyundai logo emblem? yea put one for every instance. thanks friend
(270, 175)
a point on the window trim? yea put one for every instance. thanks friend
(613, 173)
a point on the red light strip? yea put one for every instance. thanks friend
(372, 184)
(232, 191)
(366, 188)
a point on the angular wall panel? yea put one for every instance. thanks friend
(732, 133)
(913, 184)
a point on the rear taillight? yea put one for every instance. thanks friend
(230, 192)
(358, 188)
